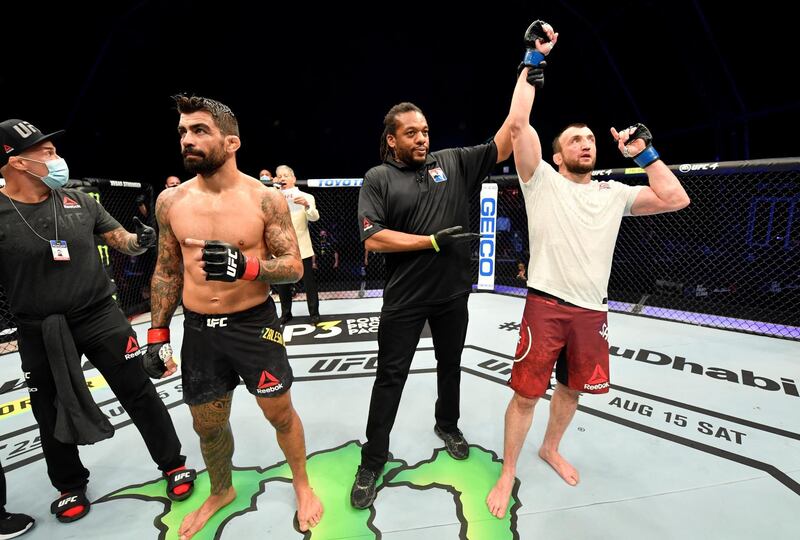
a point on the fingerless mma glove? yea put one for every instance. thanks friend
(648, 156)
(225, 262)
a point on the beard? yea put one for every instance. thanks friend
(407, 156)
(208, 164)
(575, 166)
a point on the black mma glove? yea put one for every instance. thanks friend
(646, 157)
(535, 31)
(145, 235)
(451, 235)
(535, 73)
(225, 262)
(534, 60)
(157, 353)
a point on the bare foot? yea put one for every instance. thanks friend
(309, 508)
(561, 466)
(500, 496)
(196, 520)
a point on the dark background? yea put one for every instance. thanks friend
(310, 84)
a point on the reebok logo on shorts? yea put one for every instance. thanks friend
(268, 384)
(132, 350)
(133, 346)
(598, 380)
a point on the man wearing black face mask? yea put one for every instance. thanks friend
(61, 297)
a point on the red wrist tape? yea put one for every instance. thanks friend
(157, 335)
(251, 269)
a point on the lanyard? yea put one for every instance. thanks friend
(55, 217)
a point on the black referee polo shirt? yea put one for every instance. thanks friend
(425, 200)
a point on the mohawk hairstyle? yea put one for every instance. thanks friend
(221, 113)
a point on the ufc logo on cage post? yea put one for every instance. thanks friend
(213, 323)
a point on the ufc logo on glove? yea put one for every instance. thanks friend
(233, 259)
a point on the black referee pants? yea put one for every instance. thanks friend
(398, 336)
(101, 333)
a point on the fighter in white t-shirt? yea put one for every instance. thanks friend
(573, 223)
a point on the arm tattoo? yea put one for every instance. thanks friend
(123, 241)
(211, 423)
(286, 267)
(167, 283)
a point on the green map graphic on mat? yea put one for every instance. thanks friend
(331, 473)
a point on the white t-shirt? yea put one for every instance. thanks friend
(573, 230)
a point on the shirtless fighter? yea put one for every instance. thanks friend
(235, 237)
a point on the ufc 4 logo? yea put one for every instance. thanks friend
(233, 262)
(181, 476)
(67, 501)
(213, 323)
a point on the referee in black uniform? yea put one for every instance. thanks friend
(50, 270)
(414, 208)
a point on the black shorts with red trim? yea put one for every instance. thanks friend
(218, 350)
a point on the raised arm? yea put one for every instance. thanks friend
(166, 286)
(665, 192)
(524, 139)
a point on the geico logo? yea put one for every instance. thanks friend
(182, 476)
(67, 501)
(213, 323)
(487, 229)
(486, 256)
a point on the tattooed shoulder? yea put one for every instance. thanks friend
(273, 203)
(163, 204)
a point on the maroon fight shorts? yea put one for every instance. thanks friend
(571, 337)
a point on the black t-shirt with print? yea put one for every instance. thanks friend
(425, 200)
(37, 285)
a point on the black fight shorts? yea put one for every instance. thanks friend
(219, 349)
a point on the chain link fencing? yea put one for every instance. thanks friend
(730, 260)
